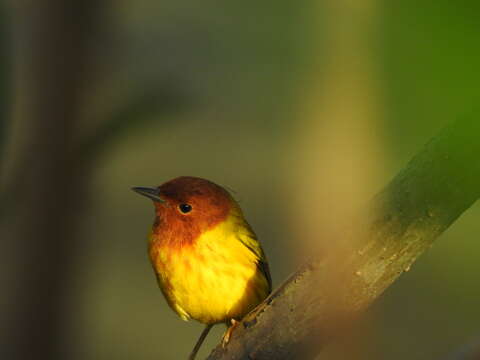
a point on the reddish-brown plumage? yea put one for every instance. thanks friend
(210, 205)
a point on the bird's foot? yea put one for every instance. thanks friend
(228, 333)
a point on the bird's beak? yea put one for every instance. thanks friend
(152, 193)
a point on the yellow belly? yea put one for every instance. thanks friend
(212, 281)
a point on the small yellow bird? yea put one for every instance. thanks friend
(207, 259)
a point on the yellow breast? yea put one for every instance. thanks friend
(214, 279)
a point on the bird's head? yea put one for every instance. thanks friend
(186, 207)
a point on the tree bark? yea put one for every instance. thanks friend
(302, 316)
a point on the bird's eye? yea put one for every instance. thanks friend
(185, 208)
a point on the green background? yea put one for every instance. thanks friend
(241, 68)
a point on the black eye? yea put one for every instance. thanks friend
(185, 208)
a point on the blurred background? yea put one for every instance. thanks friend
(304, 109)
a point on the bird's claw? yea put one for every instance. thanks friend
(228, 333)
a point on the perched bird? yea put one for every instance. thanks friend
(206, 257)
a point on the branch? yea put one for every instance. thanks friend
(302, 316)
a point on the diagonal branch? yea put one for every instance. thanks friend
(300, 318)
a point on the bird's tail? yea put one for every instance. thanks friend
(200, 340)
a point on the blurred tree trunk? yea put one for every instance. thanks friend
(318, 301)
(5, 79)
(45, 196)
(53, 45)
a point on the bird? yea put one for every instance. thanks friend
(207, 259)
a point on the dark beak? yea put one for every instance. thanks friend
(152, 193)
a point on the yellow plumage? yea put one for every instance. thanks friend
(219, 277)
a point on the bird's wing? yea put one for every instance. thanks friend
(249, 239)
(263, 266)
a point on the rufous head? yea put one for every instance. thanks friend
(187, 206)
